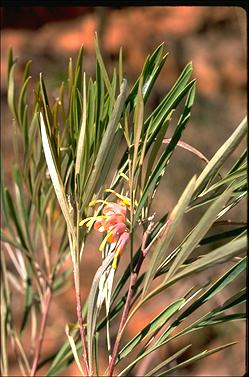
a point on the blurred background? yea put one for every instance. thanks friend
(214, 39)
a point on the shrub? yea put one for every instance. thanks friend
(65, 186)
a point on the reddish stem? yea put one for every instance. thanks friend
(134, 276)
(125, 313)
(82, 333)
(48, 296)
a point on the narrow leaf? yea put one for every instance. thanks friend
(74, 350)
(105, 144)
(138, 125)
(219, 255)
(55, 176)
(153, 326)
(11, 93)
(101, 64)
(80, 144)
(160, 168)
(92, 312)
(199, 231)
(167, 361)
(170, 228)
(188, 147)
(215, 288)
(193, 359)
(221, 156)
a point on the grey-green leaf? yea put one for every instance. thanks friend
(198, 233)
(195, 358)
(93, 312)
(105, 144)
(221, 156)
(167, 361)
(153, 326)
(55, 177)
(170, 228)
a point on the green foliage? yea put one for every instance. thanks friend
(63, 164)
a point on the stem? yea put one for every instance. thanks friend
(134, 276)
(76, 263)
(48, 296)
(125, 313)
(80, 321)
(82, 333)
(45, 250)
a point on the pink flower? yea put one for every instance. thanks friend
(113, 221)
(114, 208)
(99, 225)
(122, 242)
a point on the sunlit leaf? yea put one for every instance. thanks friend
(93, 311)
(170, 228)
(221, 156)
(193, 359)
(55, 177)
(74, 349)
(198, 232)
(154, 325)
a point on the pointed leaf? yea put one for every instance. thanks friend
(170, 228)
(160, 168)
(167, 361)
(221, 156)
(55, 176)
(215, 288)
(199, 231)
(188, 147)
(11, 93)
(74, 349)
(81, 140)
(92, 312)
(153, 326)
(105, 144)
(193, 359)
(219, 255)
(101, 64)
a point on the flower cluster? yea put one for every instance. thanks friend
(113, 221)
